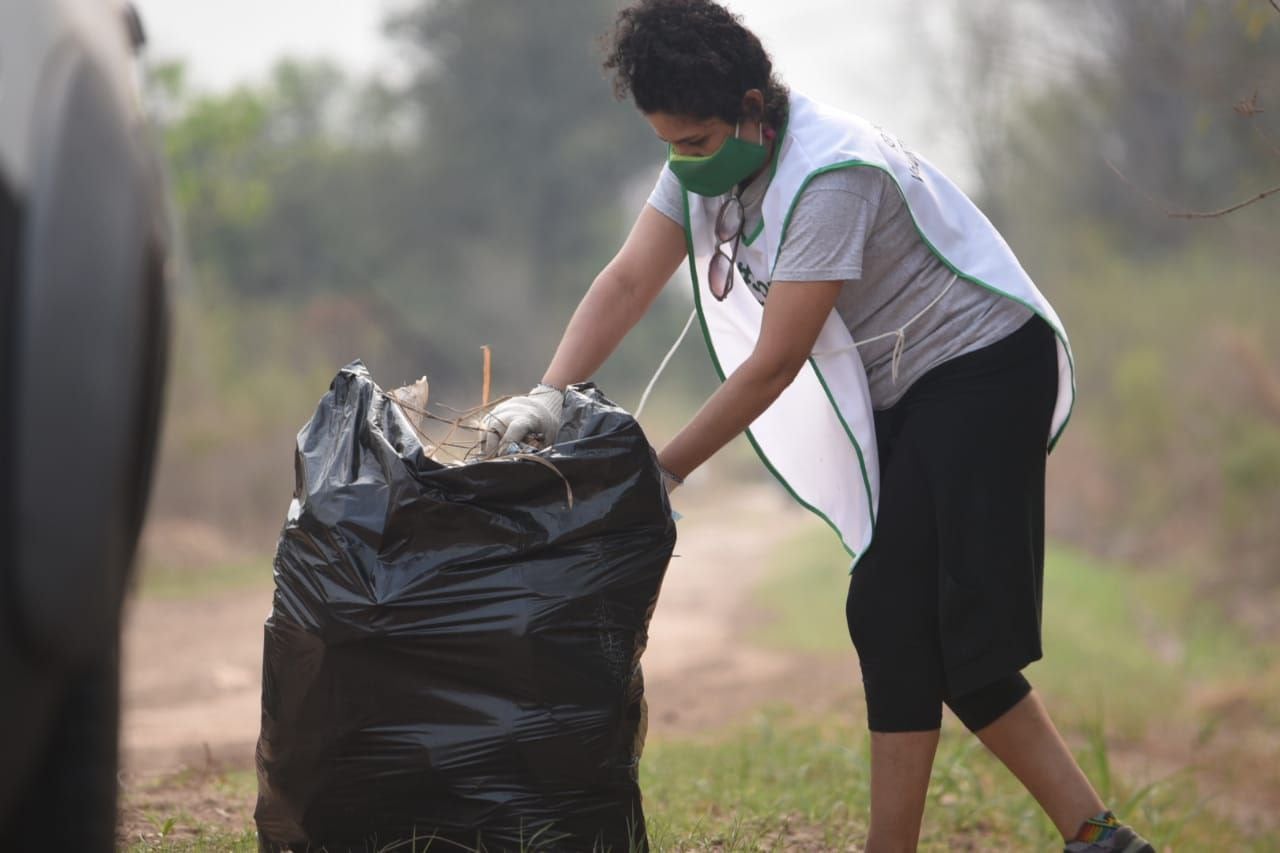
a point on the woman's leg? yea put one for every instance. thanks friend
(900, 766)
(1025, 739)
(892, 612)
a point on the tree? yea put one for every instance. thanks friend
(525, 150)
(471, 203)
(1145, 86)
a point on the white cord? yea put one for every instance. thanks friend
(644, 398)
(900, 333)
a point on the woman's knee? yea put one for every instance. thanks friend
(980, 708)
(901, 701)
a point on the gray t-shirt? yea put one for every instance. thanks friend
(852, 225)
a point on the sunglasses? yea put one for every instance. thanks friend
(729, 223)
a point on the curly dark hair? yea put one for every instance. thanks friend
(691, 58)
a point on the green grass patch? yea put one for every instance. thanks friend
(781, 783)
(238, 784)
(191, 810)
(159, 581)
(786, 783)
(755, 785)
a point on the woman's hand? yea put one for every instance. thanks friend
(615, 302)
(532, 419)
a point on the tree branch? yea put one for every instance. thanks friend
(1210, 214)
(1148, 196)
(1189, 214)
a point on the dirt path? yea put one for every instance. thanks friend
(192, 676)
(192, 679)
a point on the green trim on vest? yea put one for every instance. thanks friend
(862, 462)
(715, 362)
(786, 223)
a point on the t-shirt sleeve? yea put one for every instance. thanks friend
(668, 196)
(829, 226)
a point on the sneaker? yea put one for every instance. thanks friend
(1123, 840)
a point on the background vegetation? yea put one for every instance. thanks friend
(328, 218)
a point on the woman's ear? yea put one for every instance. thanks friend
(753, 105)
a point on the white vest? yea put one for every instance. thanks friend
(818, 437)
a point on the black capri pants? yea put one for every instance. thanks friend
(944, 606)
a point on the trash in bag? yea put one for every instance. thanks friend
(452, 655)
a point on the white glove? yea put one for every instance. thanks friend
(533, 419)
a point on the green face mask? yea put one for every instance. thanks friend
(715, 174)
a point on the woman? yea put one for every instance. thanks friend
(899, 372)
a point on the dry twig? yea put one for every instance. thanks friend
(1211, 214)
(407, 400)
(412, 400)
(1190, 214)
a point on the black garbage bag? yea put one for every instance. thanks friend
(453, 652)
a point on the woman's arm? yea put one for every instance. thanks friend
(618, 298)
(793, 316)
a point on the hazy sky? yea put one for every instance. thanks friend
(862, 55)
(233, 41)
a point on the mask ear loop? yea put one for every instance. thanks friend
(737, 130)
